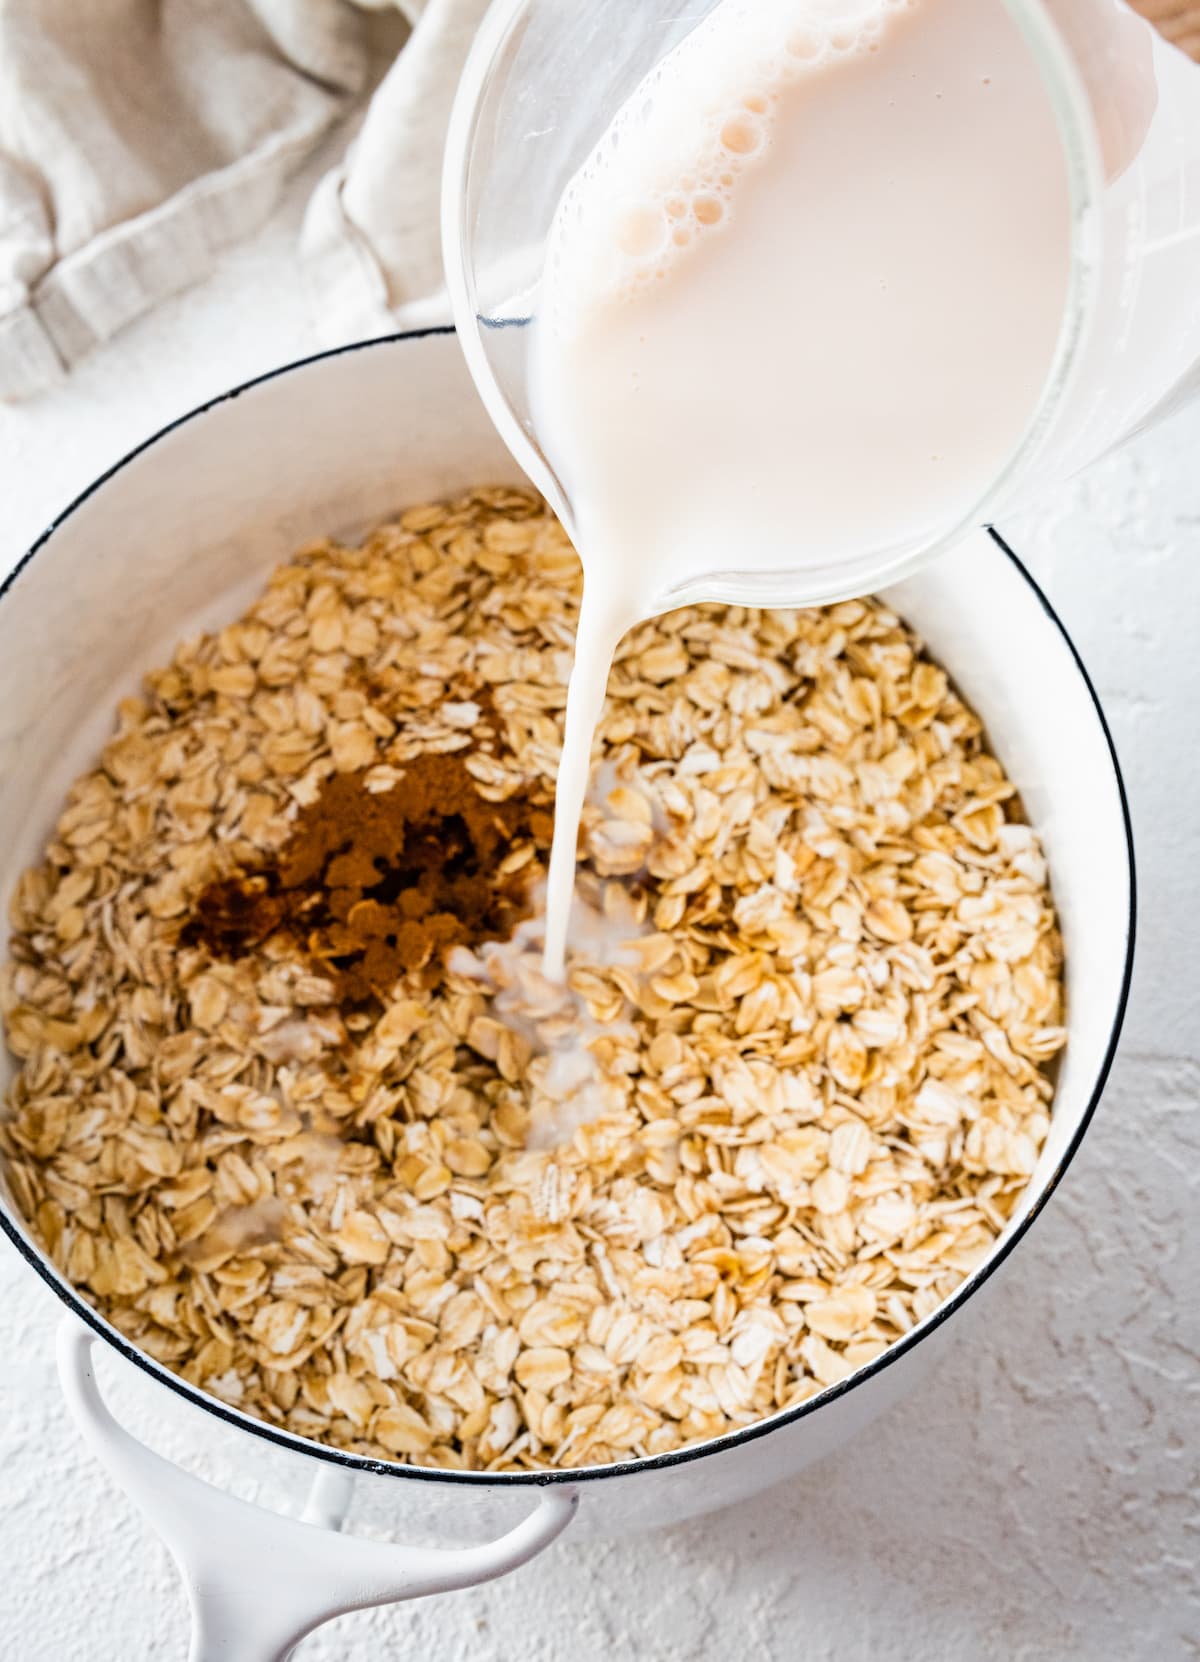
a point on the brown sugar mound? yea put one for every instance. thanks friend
(375, 885)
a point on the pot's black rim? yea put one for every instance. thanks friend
(736, 1439)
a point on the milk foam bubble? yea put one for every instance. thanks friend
(705, 116)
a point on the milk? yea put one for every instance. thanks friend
(798, 308)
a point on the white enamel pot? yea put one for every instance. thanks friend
(176, 537)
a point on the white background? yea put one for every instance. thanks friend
(1039, 1498)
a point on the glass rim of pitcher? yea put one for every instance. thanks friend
(496, 26)
(842, 579)
(1082, 153)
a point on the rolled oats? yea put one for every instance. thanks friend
(817, 1072)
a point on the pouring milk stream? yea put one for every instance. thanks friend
(834, 275)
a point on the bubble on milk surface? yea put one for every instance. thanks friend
(666, 172)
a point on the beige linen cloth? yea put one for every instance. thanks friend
(140, 138)
(372, 239)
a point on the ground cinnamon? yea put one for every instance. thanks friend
(376, 885)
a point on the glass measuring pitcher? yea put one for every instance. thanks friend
(545, 78)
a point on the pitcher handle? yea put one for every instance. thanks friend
(259, 1582)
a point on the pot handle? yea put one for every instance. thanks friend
(257, 1581)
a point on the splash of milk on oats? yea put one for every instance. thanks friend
(568, 1084)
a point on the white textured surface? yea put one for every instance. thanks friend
(1039, 1498)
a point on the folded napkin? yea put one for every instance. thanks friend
(138, 138)
(371, 244)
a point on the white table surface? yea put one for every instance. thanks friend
(1038, 1499)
